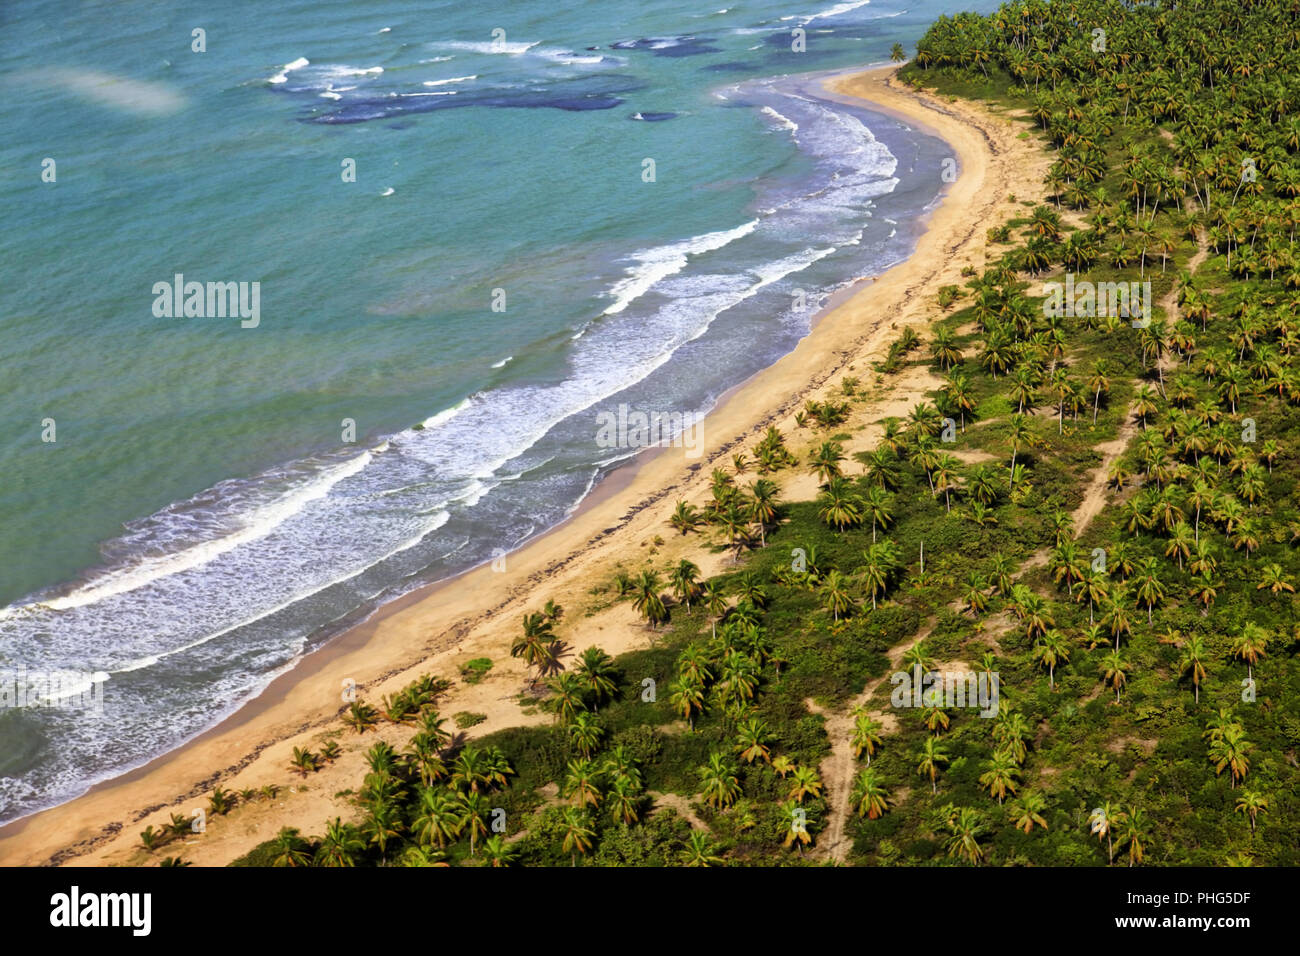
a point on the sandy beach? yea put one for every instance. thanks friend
(438, 629)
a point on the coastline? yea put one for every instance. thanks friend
(475, 614)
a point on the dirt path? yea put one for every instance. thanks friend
(840, 767)
(675, 801)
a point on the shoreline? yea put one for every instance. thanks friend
(436, 627)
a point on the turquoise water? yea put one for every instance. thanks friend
(202, 519)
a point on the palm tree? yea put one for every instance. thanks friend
(438, 819)
(1274, 579)
(686, 697)
(647, 600)
(1250, 645)
(685, 518)
(473, 770)
(1000, 777)
(685, 581)
(835, 595)
(361, 717)
(1052, 649)
(870, 797)
(303, 761)
(624, 800)
(945, 478)
(714, 599)
(721, 786)
(1010, 731)
(596, 672)
(290, 849)
(340, 845)
(585, 733)
(699, 851)
(881, 563)
(825, 462)
(752, 737)
(1252, 803)
(878, 504)
(498, 852)
(1102, 821)
(567, 697)
(1020, 435)
(1113, 672)
(474, 816)
(974, 597)
(805, 782)
(966, 827)
(933, 756)
(578, 833)
(1228, 751)
(1134, 834)
(763, 496)
(383, 823)
(841, 508)
(582, 782)
(1192, 662)
(1098, 383)
(1027, 809)
(866, 735)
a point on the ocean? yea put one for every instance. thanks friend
(472, 230)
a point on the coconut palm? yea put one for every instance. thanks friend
(1000, 777)
(1252, 803)
(585, 733)
(933, 756)
(1052, 649)
(721, 786)
(1229, 751)
(1027, 810)
(1114, 671)
(567, 698)
(1250, 645)
(685, 581)
(870, 796)
(1134, 834)
(878, 505)
(1192, 663)
(686, 696)
(714, 599)
(648, 601)
(866, 735)
(498, 852)
(804, 782)
(699, 851)
(438, 818)
(835, 595)
(1101, 822)
(966, 827)
(840, 507)
(290, 849)
(825, 462)
(340, 846)
(752, 737)
(582, 782)
(579, 837)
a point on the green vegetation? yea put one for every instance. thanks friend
(1101, 512)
